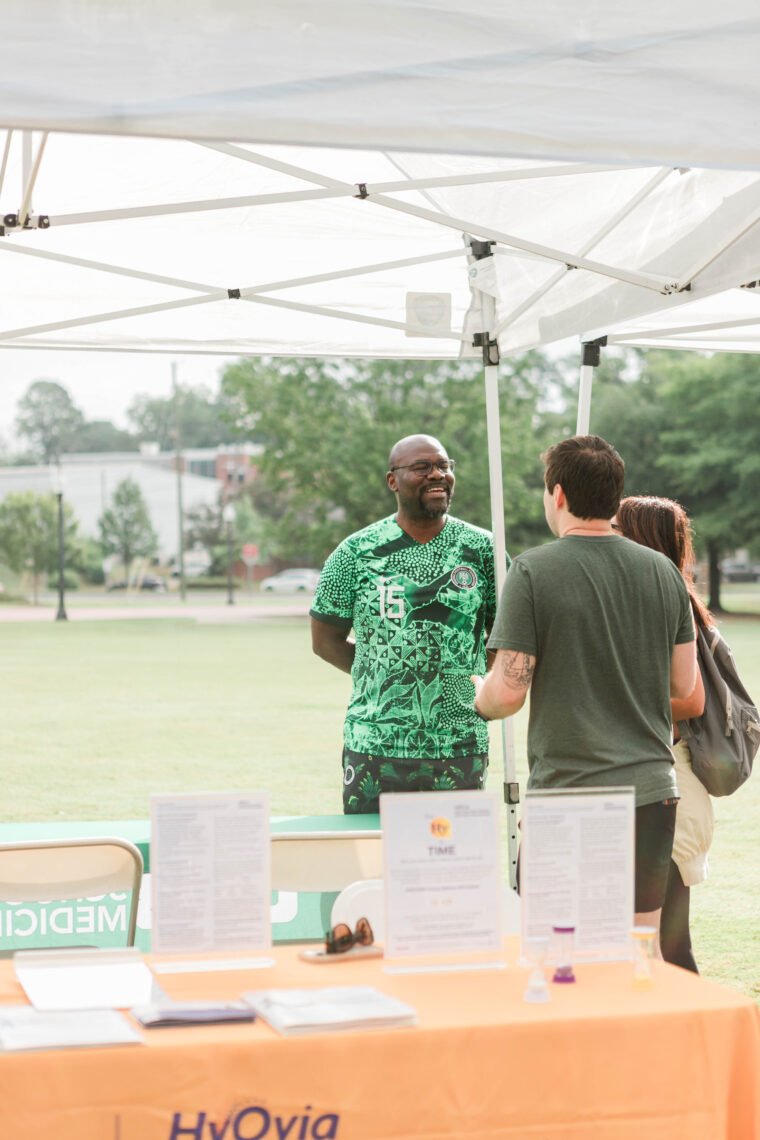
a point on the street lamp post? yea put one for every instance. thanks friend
(228, 516)
(57, 484)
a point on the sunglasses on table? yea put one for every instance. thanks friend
(342, 938)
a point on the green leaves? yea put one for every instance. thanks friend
(327, 428)
(125, 527)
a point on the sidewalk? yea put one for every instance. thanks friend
(189, 611)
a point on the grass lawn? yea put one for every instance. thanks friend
(98, 715)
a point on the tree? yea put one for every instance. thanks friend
(100, 435)
(205, 420)
(48, 418)
(688, 429)
(327, 429)
(627, 410)
(29, 534)
(711, 447)
(125, 527)
(205, 527)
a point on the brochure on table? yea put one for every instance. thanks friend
(210, 872)
(22, 1027)
(577, 868)
(442, 874)
(86, 978)
(330, 1008)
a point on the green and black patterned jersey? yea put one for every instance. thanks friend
(419, 612)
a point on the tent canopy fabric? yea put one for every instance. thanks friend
(182, 246)
(726, 322)
(157, 193)
(650, 83)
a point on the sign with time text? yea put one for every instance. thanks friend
(442, 873)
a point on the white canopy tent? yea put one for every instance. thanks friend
(726, 322)
(157, 192)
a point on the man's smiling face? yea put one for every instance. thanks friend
(421, 477)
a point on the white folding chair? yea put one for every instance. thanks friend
(52, 870)
(324, 860)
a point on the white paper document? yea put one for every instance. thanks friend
(328, 1009)
(22, 1027)
(86, 979)
(210, 872)
(442, 873)
(577, 867)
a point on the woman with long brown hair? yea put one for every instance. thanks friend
(663, 525)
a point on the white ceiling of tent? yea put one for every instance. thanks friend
(134, 244)
(675, 83)
(727, 322)
(417, 92)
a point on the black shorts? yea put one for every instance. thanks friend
(366, 776)
(655, 825)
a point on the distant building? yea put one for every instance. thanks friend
(90, 480)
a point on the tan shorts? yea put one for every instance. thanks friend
(694, 820)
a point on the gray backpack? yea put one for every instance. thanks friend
(724, 739)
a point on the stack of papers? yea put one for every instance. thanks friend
(22, 1027)
(86, 978)
(331, 1008)
(192, 1013)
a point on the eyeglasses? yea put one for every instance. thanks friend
(425, 466)
(341, 938)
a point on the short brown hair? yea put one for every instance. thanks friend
(590, 472)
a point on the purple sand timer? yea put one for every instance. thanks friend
(564, 937)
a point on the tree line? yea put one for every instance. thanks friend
(50, 423)
(686, 425)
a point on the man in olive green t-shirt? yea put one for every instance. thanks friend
(600, 630)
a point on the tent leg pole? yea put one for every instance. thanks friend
(589, 361)
(493, 423)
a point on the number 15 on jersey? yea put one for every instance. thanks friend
(391, 599)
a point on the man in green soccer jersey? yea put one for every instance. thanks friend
(417, 588)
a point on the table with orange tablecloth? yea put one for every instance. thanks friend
(599, 1060)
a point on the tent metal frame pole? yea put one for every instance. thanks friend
(490, 349)
(220, 295)
(590, 359)
(211, 293)
(600, 234)
(747, 224)
(682, 330)
(656, 283)
(341, 314)
(100, 318)
(269, 286)
(30, 178)
(26, 158)
(286, 197)
(6, 156)
(653, 282)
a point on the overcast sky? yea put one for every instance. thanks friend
(101, 384)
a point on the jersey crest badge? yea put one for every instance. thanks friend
(464, 578)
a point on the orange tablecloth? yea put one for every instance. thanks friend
(600, 1061)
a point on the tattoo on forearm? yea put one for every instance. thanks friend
(518, 669)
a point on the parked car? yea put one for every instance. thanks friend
(299, 580)
(733, 570)
(149, 582)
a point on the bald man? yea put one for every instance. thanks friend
(417, 588)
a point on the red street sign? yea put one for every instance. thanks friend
(250, 553)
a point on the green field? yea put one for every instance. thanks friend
(98, 715)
